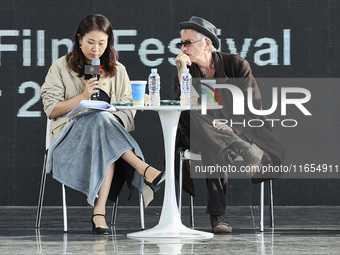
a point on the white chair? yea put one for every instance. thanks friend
(42, 192)
(188, 155)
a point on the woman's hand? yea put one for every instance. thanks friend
(63, 107)
(91, 87)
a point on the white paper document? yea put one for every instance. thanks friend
(89, 106)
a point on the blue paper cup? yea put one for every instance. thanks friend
(210, 95)
(138, 92)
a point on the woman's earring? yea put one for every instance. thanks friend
(79, 46)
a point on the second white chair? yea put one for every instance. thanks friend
(188, 155)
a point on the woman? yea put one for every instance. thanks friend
(86, 152)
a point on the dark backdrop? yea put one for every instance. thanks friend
(280, 39)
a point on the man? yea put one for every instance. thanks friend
(220, 143)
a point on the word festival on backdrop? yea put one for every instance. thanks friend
(151, 51)
(239, 106)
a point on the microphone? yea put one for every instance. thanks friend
(92, 71)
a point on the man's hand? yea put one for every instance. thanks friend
(222, 126)
(182, 60)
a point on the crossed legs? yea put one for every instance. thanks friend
(100, 203)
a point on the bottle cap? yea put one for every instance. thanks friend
(154, 70)
(185, 70)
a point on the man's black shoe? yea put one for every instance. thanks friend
(220, 224)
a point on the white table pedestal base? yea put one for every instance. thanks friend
(171, 231)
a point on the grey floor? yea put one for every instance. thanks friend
(298, 230)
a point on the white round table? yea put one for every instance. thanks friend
(170, 224)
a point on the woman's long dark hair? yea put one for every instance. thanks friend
(76, 59)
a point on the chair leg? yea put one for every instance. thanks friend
(180, 193)
(192, 222)
(271, 203)
(64, 207)
(180, 185)
(41, 194)
(41, 199)
(262, 207)
(141, 210)
(114, 212)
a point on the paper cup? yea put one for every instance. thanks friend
(138, 92)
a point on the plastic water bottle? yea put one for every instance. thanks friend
(154, 88)
(186, 81)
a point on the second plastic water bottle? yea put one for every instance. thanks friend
(154, 88)
(186, 81)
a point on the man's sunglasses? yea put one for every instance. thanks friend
(186, 43)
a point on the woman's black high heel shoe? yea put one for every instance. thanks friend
(99, 230)
(154, 184)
